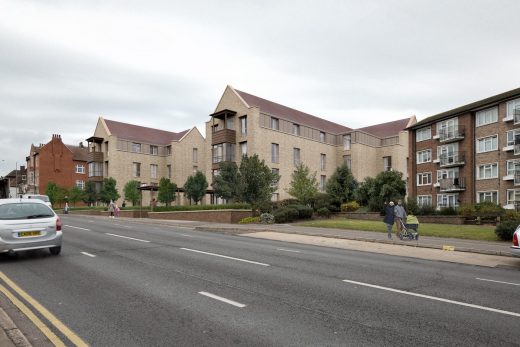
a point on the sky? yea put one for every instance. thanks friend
(165, 63)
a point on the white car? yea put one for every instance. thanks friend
(515, 248)
(27, 224)
(43, 198)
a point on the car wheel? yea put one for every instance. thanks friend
(55, 250)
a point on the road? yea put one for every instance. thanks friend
(123, 283)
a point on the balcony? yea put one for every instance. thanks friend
(223, 136)
(456, 184)
(516, 179)
(452, 159)
(451, 134)
(517, 145)
(95, 156)
(516, 116)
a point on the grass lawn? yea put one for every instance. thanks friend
(471, 232)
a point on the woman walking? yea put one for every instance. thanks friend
(389, 218)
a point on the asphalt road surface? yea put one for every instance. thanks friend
(125, 283)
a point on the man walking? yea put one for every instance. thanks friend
(400, 217)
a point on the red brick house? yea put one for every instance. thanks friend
(65, 165)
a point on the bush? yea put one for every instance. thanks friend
(323, 212)
(505, 230)
(350, 206)
(321, 200)
(489, 210)
(511, 215)
(285, 203)
(249, 220)
(427, 210)
(468, 210)
(448, 211)
(266, 218)
(413, 207)
(236, 206)
(285, 215)
(304, 212)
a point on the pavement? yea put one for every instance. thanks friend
(486, 253)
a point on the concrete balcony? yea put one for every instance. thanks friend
(452, 160)
(451, 134)
(456, 184)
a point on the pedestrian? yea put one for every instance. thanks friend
(389, 218)
(400, 217)
(111, 209)
(116, 210)
(66, 208)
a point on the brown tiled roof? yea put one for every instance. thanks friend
(143, 134)
(514, 93)
(78, 153)
(292, 115)
(386, 129)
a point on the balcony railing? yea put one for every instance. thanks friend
(451, 134)
(456, 184)
(516, 178)
(454, 159)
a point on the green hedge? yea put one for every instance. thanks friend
(304, 212)
(505, 230)
(202, 207)
(285, 215)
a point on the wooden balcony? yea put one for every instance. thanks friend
(95, 156)
(223, 136)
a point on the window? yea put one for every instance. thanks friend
(424, 200)
(169, 171)
(136, 169)
(230, 123)
(447, 200)
(218, 153)
(424, 156)
(449, 153)
(487, 144)
(296, 129)
(275, 197)
(423, 134)
(487, 171)
(323, 180)
(296, 156)
(80, 169)
(80, 184)
(347, 142)
(323, 162)
(243, 148)
(322, 136)
(243, 125)
(195, 155)
(153, 171)
(136, 147)
(511, 136)
(513, 196)
(95, 169)
(168, 150)
(448, 173)
(274, 152)
(154, 150)
(487, 116)
(447, 127)
(387, 163)
(275, 171)
(512, 106)
(424, 178)
(490, 196)
(512, 166)
(214, 128)
(347, 159)
(275, 123)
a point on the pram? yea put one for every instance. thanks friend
(410, 228)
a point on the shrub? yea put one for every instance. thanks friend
(413, 207)
(489, 210)
(249, 220)
(467, 210)
(304, 212)
(511, 215)
(285, 203)
(505, 230)
(350, 206)
(427, 210)
(321, 200)
(266, 218)
(323, 212)
(448, 211)
(285, 215)
(235, 206)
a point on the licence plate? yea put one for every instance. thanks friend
(28, 233)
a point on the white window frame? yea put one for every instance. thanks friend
(448, 124)
(511, 136)
(484, 194)
(424, 178)
(492, 141)
(80, 184)
(487, 116)
(80, 169)
(451, 200)
(424, 156)
(510, 106)
(447, 173)
(511, 193)
(484, 169)
(511, 166)
(423, 134)
(424, 200)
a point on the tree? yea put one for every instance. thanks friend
(195, 187)
(52, 192)
(76, 194)
(387, 185)
(90, 194)
(303, 186)
(132, 192)
(166, 192)
(225, 184)
(257, 182)
(341, 185)
(109, 191)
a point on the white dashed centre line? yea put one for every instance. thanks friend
(483, 279)
(288, 250)
(225, 256)
(435, 298)
(126, 237)
(88, 254)
(227, 301)
(73, 227)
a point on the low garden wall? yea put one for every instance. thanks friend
(213, 216)
(457, 220)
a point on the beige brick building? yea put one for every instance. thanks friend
(468, 155)
(130, 152)
(283, 137)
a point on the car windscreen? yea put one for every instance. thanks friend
(24, 211)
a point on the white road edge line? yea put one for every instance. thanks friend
(73, 227)
(435, 298)
(483, 279)
(186, 235)
(225, 256)
(88, 254)
(126, 237)
(227, 301)
(287, 250)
